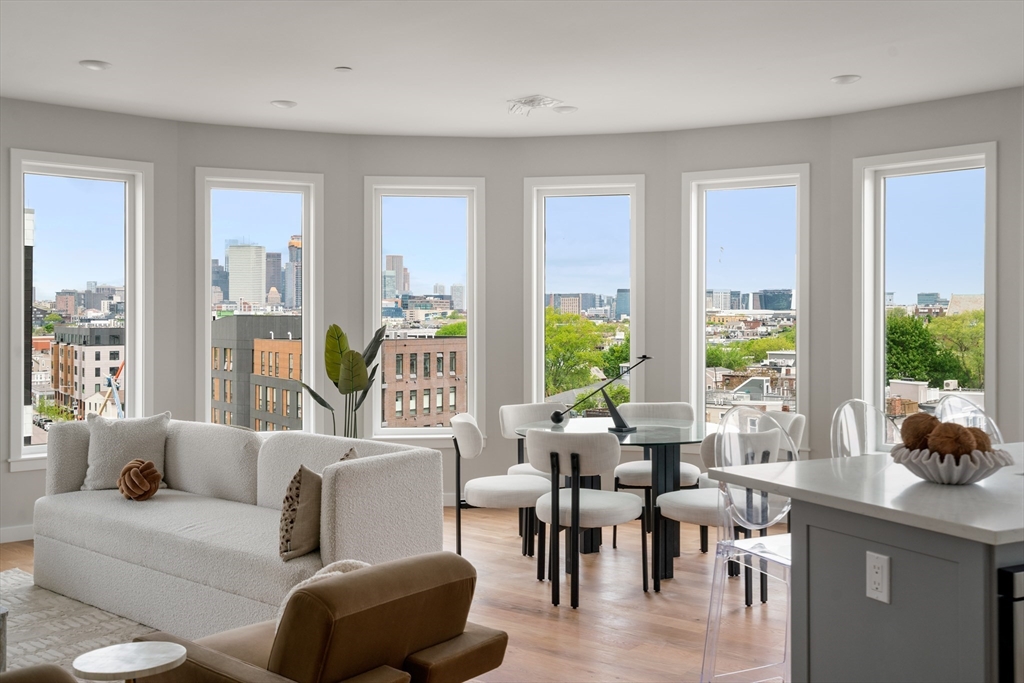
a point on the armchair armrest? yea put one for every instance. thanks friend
(382, 674)
(67, 455)
(475, 651)
(383, 507)
(203, 665)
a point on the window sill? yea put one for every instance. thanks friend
(28, 463)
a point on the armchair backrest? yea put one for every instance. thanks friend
(351, 623)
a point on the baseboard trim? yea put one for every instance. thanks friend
(10, 534)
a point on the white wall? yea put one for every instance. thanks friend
(828, 144)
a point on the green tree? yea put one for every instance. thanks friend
(725, 356)
(757, 349)
(614, 356)
(618, 393)
(452, 330)
(912, 352)
(570, 351)
(964, 335)
(50, 319)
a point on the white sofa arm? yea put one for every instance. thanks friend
(382, 507)
(67, 457)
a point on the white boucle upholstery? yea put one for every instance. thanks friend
(638, 473)
(597, 508)
(505, 491)
(232, 546)
(671, 411)
(695, 506)
(383, 507)
(284, 452)
(511, 417)
(527, 468)
(211, 460)
(598, 453)
(185, 607)
(67, 457)
(113, 443)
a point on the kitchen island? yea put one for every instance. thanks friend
(943, 544)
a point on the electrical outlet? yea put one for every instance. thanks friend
(878, 577)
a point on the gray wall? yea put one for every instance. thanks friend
(830, 145)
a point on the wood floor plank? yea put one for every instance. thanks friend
(618, 633)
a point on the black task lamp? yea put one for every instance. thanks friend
(620, 425)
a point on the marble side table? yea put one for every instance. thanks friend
(3, 638)
(128, 661)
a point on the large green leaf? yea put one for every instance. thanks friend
(316, 397)
(352, 376)
(369, 385)
(370, 353)
(334, 347)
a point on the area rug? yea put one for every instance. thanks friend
(46, 628)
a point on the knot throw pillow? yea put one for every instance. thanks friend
(139, 480)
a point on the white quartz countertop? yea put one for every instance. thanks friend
(990, 511)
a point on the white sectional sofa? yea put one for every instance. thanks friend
(201, 556)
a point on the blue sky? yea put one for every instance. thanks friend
(751, 239)
(430, 234)
(587, 244)
(79, 232)
(934, 234)
(934, 229)
(265, 218)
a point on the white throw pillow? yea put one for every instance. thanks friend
(114, 443)
(339, 567)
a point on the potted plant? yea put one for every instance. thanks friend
(351, 373)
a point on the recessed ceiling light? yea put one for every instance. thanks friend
(94, 64)
(845, 79)
(342, 68)
(565, 109)
(284, 104)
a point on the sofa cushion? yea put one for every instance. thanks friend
(284, 452)
(213, 460)
(114, 443)
(223, 544)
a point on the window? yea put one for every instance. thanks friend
(285, 401)
(744, 335)
(114, 355)
(412, 403)
(96, 390)
(229, 359)
(398, 403)
(439, 402)
(216, 416)
(298, 401)
(426, 401)
(227, 417)
(451, 400)
(227, 391)
(257, 398)
(98, 356)
(426, 231)
(451, 362)
(260, 264)
(97, 371)
(927, 279)
(216, 358)
(113, 371)
(78, 242)
(213, 389)
(584, 306)
(398, 366)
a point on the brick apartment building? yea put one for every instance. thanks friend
(81, 357)
(276, 400)
(423, 381)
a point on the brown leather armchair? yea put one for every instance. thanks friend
(395, 622)
(39, 673)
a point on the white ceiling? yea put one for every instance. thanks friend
(447, 68)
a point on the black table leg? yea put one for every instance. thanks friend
(591, 541)
(665, 470)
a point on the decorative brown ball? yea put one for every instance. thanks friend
(951, 439)
(139, 480)
(915, 430)
(984, 444)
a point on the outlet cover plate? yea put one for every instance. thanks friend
(878, 577)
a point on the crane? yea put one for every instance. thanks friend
(113, 385)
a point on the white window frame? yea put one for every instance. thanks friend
(693, 299)
(869, 174)
(311, 186)
(472, 189)
(536, 190)
(139, 269)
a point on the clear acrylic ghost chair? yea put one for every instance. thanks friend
(747, 437)
(503, 491)
(965, 412)
(638, 474)
(858, 428)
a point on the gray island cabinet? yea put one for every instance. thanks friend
(943, 544)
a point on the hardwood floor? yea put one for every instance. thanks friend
(619, 633)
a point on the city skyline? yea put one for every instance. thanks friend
(405, 221)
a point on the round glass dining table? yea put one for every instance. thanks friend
(660, 439)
